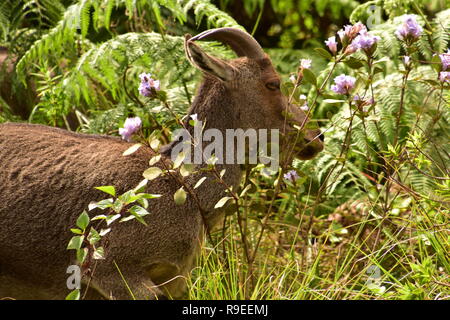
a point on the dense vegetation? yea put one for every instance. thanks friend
(367, 219)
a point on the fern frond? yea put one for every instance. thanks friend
(216, 17)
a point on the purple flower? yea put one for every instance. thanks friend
(305, 63)
(349, 32)
(445, 59)
(343, 84)
(444, 76)
(406, 60)
(341, 34)
(130, 127)
(291, 175)
(365, 41)
(331, 44)
(148, 85)
(358, 28)
(410, 29)
(351, 49)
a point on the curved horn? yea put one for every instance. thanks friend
(240, 41)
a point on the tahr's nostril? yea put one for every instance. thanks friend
(322, 137)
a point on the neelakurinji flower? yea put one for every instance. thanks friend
(332, 44)
(444, 76)
(445, 59)
(293, 78)
(302, 99)
(406, 60)
(305, 63)
(351, 48)
(291, 175)
(365, 41)
(350, 31)
(130, 127)
(343, 84)
(410, 30)
(148, 85)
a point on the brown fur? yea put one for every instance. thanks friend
(48, 175)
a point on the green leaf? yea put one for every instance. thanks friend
(83, 220)
(93, 236)
(138, 212)
(82, 254)
(354, 63)
(324, 53)
(180, 196)
(130, 217)
(74, 295)
(118, 205)
(384, 59)
(154, 144)
(103, 204)
(247, 187)
(186, 169)
(75, 243)
(436, 63)
(99, 253)
(142, 202)
(377, 69)
(141, 186)
(76, 231)
(309, 76)
(199, 182)
(107, 189)
(132, 149)
(155, 159)
(99, 217)
(152, 173)
(179, 160)
(104, 232)
(222, 202)
(333, 101)
(110, 219)
(125, 197)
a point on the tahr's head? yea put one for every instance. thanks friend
(252, 87)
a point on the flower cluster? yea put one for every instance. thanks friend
(291, 175)
(353, 38)
(130, 127)
(304, 103)
(332, 44)
(445, 59)
(350, 32)
(365, 41)
(343, 84)
(444, 76)
(148, 86)
(410, 30)
(305, 63)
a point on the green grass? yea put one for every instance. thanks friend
(392, 257)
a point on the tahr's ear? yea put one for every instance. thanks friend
(201, 60)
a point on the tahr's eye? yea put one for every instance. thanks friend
(274, 85)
